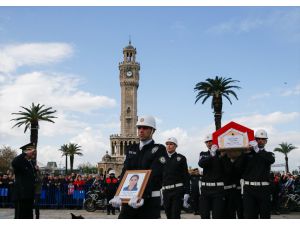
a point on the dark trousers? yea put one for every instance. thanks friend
(257, 202)
(212, 201)
(150, 210)
(24, 209)
(37, 198)
(173, 202)
(233, 204)
(195, 200)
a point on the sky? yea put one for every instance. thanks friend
(67, 58)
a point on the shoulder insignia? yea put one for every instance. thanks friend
(162, 160)
(132, 153)
(154, 149)
(178, 158)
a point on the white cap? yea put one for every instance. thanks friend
(208, 138)
(261, 133)
(173, 140)
(148, 121)
(111, 172)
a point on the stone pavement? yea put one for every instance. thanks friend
(100, 214)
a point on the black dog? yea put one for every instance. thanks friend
(76, 217)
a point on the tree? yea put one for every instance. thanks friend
(30, 117)
(73, 149)
(87, 168)
(216, 88)
(64, 149)
(285, 148)
(6, 156)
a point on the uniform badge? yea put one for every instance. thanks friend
(154, 149)
(178, 158)
(162, 160)
(142, 120)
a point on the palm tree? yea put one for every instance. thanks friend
(73, 149)
(30, 117)
(216, 88)
(285, 148)
(64, 149)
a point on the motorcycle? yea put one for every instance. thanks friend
(95, 199)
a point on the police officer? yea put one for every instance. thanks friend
(255, 165)
(212, 185)
(145, 155)
(24, 187)
(175, 181)
(111, 184)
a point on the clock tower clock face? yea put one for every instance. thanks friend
(129, 73)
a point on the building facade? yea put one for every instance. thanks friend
(129, 82)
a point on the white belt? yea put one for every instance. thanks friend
(155, 194)
(172, 186)
(207, 184)
(229, 186)
(256, 183)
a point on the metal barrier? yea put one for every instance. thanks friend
(49, 198)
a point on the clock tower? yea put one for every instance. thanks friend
(129, 81)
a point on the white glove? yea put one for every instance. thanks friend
(161, 199)
(185, 201)
(116, 202)
(133, 202)
(214, 148)
(254, 145)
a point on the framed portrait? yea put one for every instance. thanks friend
(133, 184)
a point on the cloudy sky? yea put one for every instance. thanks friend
(67, 58)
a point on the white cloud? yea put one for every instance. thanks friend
(60, 92)
(286, 22)
(94, 145)
(14, 56)
(260, 96)
(293, 91)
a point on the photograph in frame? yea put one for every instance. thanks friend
(133, 184)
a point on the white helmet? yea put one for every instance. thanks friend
(261, 134)
(148, 121)
(111, 172)
(208, 138)
(173, 140)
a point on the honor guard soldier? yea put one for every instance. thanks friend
(212, 185)
(255, 166)
(24, 187)
(176, 181)
(145, 155)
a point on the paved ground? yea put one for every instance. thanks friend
(100, 214)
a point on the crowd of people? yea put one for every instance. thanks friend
(229, 185)
(59, 191)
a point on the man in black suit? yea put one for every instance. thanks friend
(24, 182)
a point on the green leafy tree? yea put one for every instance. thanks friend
(73, 149)
(87, 168)
(64, 150)
(285, 148)
(217, 89)
(7, 154)
(31, 116)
